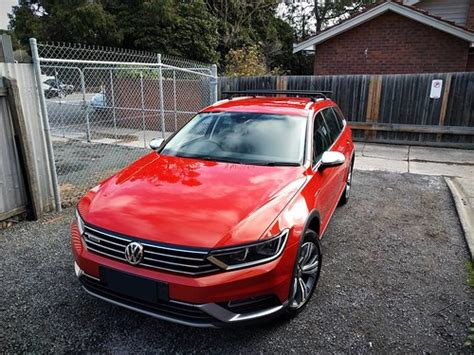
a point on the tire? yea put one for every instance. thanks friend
(347, 190)
(297, 301)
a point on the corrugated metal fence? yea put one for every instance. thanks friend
(12, 189)
(26, 156)
(390, 108)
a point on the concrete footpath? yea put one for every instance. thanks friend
(456, 165)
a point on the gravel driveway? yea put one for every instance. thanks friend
(393, 279)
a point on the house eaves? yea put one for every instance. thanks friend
(372, 13)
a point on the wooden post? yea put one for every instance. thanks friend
(444, 105)
(24, 146)
(373, 104)
(281, 83)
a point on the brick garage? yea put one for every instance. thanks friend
(393, 38)
(391, 44)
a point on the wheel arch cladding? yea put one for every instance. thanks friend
(313, 222)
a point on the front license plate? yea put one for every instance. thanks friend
(140, 288)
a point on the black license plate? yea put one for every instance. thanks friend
(136, 287)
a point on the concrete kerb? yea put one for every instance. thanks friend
(464, 210)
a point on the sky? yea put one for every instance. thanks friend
(5, 8)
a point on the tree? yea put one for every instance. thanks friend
(332, 11)
(71, 21)
(174, 27)
(312, 16)
(246, 61)
(204, 30)
(300, 16)
(244, 23)
(25, 22)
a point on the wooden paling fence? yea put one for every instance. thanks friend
(396, 109)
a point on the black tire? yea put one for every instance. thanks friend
(347, 189)
(295, 305)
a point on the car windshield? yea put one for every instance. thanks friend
(245, 138)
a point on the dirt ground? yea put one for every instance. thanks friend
(393, 280)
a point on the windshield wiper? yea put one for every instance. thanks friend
(271, 163)
(234, 161)
(218, 159)
(280, 163)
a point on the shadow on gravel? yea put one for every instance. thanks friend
(393, 280)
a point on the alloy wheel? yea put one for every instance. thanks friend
(306, 275)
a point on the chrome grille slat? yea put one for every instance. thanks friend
(173, 259)
(88, 241)
(105, 233)
(107, 241)
(106, 254)
(174, 256)
(200, 252)
(172, 263)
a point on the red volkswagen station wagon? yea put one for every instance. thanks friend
(221, 223)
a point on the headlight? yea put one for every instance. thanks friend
(251, 254)
(80, 223)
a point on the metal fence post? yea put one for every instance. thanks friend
(113, 105)
(213, 82)
(44, 114)
(162, 108)
(143, 108)
(85, 105)
(174, 102)
(63, 127)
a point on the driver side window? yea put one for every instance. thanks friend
(321, 138)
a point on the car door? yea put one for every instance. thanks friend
(346, 135)
(321, 179)
(338, 144)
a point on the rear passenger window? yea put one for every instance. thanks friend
(340, 118)
(321, 138)
(332, 123)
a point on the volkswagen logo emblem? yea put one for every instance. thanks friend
(134, 253)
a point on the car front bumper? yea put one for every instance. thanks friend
(196, 301)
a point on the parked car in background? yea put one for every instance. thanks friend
(52, 87)
(99, 101)
(55, 83)
(221, 224)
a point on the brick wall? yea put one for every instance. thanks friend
(391, 44)
(470, 16)
(192, 95)
(470, 62)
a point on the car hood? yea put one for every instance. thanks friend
(191, 202)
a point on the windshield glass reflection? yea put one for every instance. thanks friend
(244, 138)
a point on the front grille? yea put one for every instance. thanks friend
(173, 259)
(172, 309)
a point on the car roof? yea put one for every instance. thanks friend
(292, 106)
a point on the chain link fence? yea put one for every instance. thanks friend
(104, 105)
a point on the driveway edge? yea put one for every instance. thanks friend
(464, 210)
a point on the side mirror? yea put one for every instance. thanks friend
(332, 159)
(155, 143)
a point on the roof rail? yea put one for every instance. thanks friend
(295, 93)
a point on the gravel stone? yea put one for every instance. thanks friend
(393, 280)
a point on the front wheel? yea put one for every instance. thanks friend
(306, 274)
